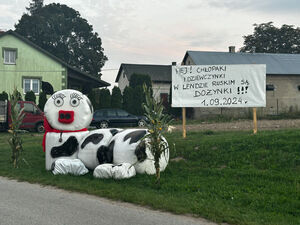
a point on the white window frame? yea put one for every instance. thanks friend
(31, 85)
(9, 52)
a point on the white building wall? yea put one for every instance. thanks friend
(123, 81)
(159, 88)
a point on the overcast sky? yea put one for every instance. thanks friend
(161, 31)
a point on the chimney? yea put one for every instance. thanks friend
(231, 49)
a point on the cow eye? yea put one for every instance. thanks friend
(58, 101)
(74, 102)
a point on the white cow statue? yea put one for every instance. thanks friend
(68, 113)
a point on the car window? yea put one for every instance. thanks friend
(99, 113)
(111, 113)
(122, 113)
(28, 107)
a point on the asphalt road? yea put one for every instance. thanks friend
(22, 203)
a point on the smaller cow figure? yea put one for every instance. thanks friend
(130, 146)
(68, 113)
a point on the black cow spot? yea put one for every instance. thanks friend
(94, 138)
(140, 151)
(105, 154)
(135, 136)
(66, 149)
(113, 131)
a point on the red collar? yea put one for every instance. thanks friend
(48, 128)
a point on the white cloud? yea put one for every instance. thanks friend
(155, 31)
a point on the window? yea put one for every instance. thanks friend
(29, 108)
(122, 113)
(10, 56)
(270, 87)
(111, 113)
(31, 84)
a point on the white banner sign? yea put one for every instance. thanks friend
(219, 86)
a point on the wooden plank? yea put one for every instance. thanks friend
(254, 121)
(183, 122)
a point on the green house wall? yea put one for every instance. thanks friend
(31, 63)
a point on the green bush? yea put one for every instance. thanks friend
(139, 99)
(134, 96)
(30, 96)
(3, 96)
(104, 98)
(116, 98)
(140, 80)
(42, 100)
(128, 100)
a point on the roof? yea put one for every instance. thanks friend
(158, 73)
(279, 64)
(86, 75)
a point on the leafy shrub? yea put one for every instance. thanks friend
(42, 100)
(30, 96)
(116, 98)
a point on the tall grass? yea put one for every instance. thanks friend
(232, 177)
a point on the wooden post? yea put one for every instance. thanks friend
(183, 122)
(254, 121)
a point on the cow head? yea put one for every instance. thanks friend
(68, 110)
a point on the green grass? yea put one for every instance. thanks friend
(232, 177)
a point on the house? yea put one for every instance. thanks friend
(282, 80)
(160, 76)
(28, 67)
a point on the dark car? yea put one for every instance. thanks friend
(104, 118)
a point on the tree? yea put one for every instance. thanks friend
(116, 98)
(136, 82)
(61, 31)
(3, 96)
(30, 96)
(138, 100)
(105, 98)
(35, 5)
(42, 100)
(128, 99)
(139, 80)
(269, 39)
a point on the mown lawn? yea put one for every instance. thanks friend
(232, 177)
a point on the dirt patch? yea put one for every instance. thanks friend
(243, 125)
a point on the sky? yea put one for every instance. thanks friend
(161, 31)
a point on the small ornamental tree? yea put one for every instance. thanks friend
(30, 96)
(116, 98)
(104, 101)
(42, 100)
(3, 96)
(128, 100)
(159, 123)
(17, 116)
(19, 96)
(140, 80)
